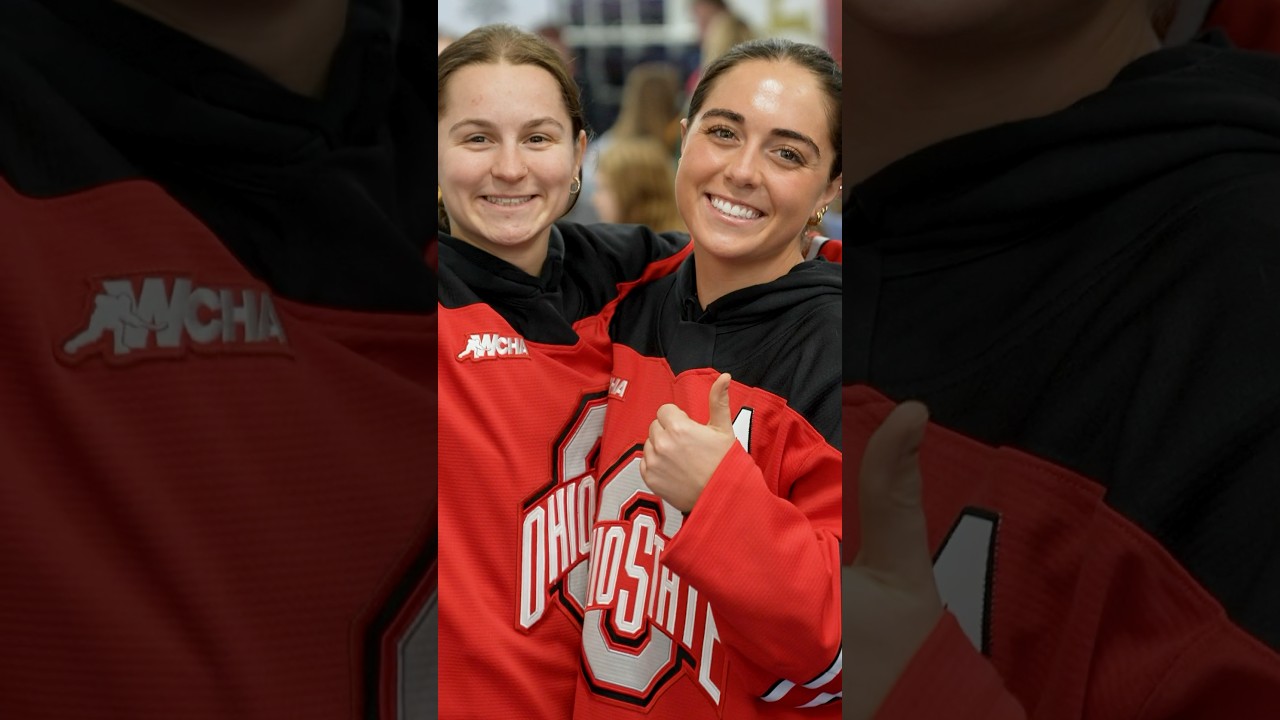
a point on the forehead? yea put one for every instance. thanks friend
(503, 90)
(783, 94)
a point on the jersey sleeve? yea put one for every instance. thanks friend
(604, 262)
(602, 256)
(1215, 671)
(769, 562)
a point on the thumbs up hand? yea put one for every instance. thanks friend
(681, 453)
(889, 594)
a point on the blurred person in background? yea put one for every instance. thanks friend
(719, 28)
(650, 108)
(635, 183)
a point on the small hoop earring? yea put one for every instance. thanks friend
(817, 217)
(575, 186)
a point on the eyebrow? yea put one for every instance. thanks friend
(779, 132)
(536, 122)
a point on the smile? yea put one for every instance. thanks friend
(734, 210)
(508, 201)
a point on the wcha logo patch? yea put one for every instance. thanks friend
(150, 317)
(492, 346)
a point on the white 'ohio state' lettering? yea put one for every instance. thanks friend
(555, 536)
(628, 577)
(555, 529)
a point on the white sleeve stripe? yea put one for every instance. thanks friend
(822, 699)
(830, 674)
(782, 687)
(778, 691)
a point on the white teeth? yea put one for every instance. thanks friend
(738, 211)
(508, 201)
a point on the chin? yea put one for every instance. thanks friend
(720, 246)
(511, 239)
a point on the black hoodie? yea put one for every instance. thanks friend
(325, 200)
(1097, 287)
(781, 336)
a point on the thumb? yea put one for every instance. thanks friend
(718, 404)
(894, 534)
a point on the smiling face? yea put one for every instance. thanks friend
(506, 157)
(755, 166)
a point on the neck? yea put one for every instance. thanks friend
(911, 93)
(717, 277)
(289, 41)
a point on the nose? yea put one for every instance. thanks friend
(509, 165)
(742, 169)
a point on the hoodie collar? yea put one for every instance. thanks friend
(755, 303)
(489, 274)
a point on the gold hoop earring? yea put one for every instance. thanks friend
(817, 217)
(439, 194)
(575, 186)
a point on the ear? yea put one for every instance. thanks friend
(831, 192)
(684, 133)
(579, 151)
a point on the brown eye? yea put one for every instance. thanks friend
(791, 156)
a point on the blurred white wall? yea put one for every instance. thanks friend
(459, 16)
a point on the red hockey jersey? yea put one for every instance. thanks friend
(733, 610)
(524, 370)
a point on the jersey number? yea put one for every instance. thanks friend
(964, 569)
